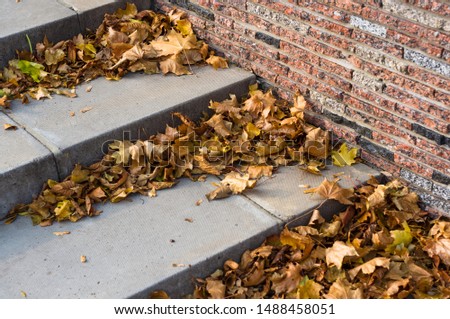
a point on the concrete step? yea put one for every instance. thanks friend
(137, 246)
(56, 19)
(56, 134)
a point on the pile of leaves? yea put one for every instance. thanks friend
(127, 41)
(382, 246)
(244, 141)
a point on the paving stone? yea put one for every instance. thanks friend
(133, 247)
(25, 164)
(283, 197)
(134, 107)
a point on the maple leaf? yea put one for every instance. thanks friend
(215, 288)
(308, 289)
(257, 171)
(287, 280)
(402, 238)
(217, 62)
(332, 190)
(440, 248)
(129, 12)
(299, 106)
(370, 266)
(173, 43)
(342, 289)
(173, 65)
(344, 157)
(296, 240)
(336, 254)
(237, 182)
(255, 275)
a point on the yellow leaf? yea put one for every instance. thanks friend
(9, 127)
(217, 62)
(344, 157)
(370, 266)
(185, 27)
(402, 238)
(252, 130)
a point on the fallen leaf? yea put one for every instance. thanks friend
(189, 220)
(158, 294)
(9, 127)
(215, 288)
(344, 156)
(217, 62)
(4, 102)
(332, 190)
(23, 294)
(72, 114)
(199, 202)
(61, 233)
(83, 259)
(336, 254)
(86, 109)
(370, 266)
(342, 289)
(89, 88)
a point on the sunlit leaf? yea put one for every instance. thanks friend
(344, 156)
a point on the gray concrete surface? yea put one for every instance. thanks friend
(25, 164)
(132, 247)
(283, 194)
(56, 19)
(138, 246)
(134, 107)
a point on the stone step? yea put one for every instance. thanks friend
(138, 246)
(57, 19)
(54, 135)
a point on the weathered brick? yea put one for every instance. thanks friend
(416, 179)
(368, 26)
(335, 68)
(413, 165)
(414, 42)
(332, 79)
(376, 149)
(380, 162)
(427, 62)
(268, 39)
(433, 5)
(430, 134)
(298, 52)
(406, 11)
(297, 63)
(440, 177)
(370, 40)
(442, 191)
(325, 101)
(332, 39)
(428, 77)
(368, 81)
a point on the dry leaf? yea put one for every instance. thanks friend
(86, 109)
(61, 233)
(332, 190)
(336, 254)
(189, 220)
(83, 259)
(199, 202)
(9, 127)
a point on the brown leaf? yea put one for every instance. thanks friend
(336, 254)
(4, 102)
(215, 288)
(440, 248)
(370, 266)
(342, 289)
(9, 127)
(287, 280)
(257, 171)
(332, 190)
(222, 191)
(237, 182)
(83, 259)
(173, 65)
(86, 109)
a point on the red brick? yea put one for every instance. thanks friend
(299, 52)
(332, 80)
(413, 165)
(338, 131)
(413, 42)
(297, 63)
(380, 163)
(442, 97)
(222, 20)
(332, 39)
(434, 6)
(428, 77)
(321, 48)
(273, 66)
(373, 97)
(336, 68)
(328, 11)
(315, 84)
(377, 43)
(446, 55)
(431, 147)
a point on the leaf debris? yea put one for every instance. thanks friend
(61, 233)
(126, 41)
(373, 249)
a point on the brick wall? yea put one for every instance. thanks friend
(376, 72)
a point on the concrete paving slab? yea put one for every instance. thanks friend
(36, 19)
(132, 248)
(134, 107)
(91, 12)
(25, 164)
(283, 196)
